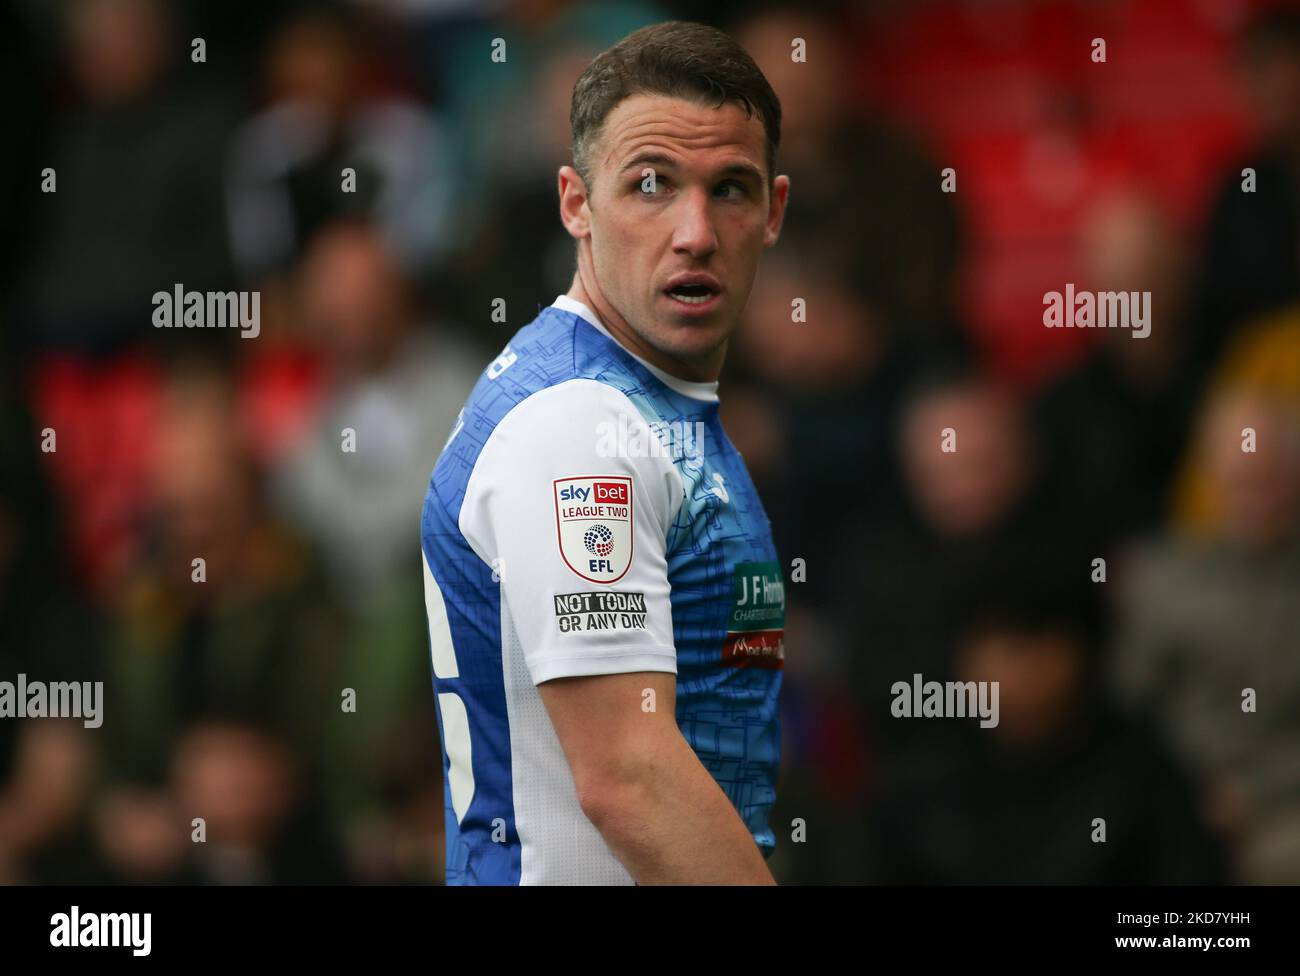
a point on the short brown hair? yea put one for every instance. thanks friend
(679, 59)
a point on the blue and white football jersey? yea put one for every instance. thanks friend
(588, 515)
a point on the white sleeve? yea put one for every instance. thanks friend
(571, 508)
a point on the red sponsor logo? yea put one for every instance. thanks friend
(611, 492)
(755, 649)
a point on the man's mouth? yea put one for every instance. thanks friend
(692, 294)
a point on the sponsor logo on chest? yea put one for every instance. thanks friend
(756, 625)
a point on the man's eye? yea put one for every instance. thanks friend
(735, 185)
(650, 187)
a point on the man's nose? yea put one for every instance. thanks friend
(694, 233)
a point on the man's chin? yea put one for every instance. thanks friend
(692, 342)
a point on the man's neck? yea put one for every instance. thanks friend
(630, 340)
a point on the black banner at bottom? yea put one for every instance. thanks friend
(333, 926)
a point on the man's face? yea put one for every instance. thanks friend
(667, 263)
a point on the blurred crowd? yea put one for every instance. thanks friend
(1101, 542)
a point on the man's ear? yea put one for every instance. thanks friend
(574, 212)
(776, 210)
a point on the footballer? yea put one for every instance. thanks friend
(606, 614)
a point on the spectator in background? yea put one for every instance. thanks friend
(285, 174)
(397, 385)
(259, 825)
(48, 633)
(520, 229)
(45, 811)
(891, 611)
(972, 488)
(1018, 802)
(1251, 263)
(1112, 430)
(46, 628)
(856, 296)
(245, 637)
(839, 374)
(1205, 619)
(1265, 359)
(863, 186)
(138, 201)
(489, 82)
(394, 381)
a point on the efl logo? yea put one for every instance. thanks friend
(593, 517)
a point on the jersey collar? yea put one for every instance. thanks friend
(705, 392)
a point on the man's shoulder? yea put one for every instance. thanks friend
(545, 375)
(554, 349)
(554, 388)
